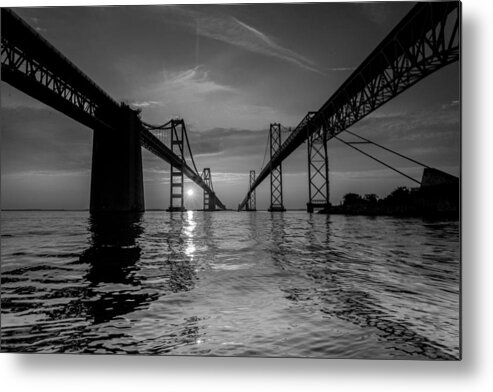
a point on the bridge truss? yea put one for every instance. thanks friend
(209, 199)
(318, 172)
(252, 200)
(425, 40)
(276, 199)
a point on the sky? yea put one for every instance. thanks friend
(228, 71)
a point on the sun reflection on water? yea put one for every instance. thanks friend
(188, 229)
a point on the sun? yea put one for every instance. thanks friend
(190, 192)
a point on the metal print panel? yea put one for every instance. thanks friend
(262, 180)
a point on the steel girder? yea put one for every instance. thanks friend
(176, 188)
(276, 202)
(425, 40)
(318, 172)
(252, 200)
(32, 65)
(209, 198)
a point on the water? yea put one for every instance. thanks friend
(228, 283)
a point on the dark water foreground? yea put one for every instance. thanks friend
(249, 284)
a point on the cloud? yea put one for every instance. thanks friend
(161, 176)
(405, 127)
(377, 13)
(35, 23)
(145, 104)
(43, 140)
(219, 146)
(56, 173)
(341, 69)
(429, 136)
(228, 29)
(380, 173)
(455, 102)
(193, 94)
(178, 89)
(230, 142)
(195, 81)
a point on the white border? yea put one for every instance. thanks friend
(131, 373)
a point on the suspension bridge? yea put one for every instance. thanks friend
(426, 40)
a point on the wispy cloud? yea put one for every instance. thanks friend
(404, 127)
(379, 174)
(35, 23)
(55, 173)
(229, 177)
(146, 104)
(377, 13)
(256, 41)
(49, 142)
(158, 176)
(195, 81)
(341, 69)
(228, 29)
(203, 100)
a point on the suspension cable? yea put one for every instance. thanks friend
(265, 153)
(379, 161)
(388, 149)
(189, 149)
(156, 127)
(166, 126)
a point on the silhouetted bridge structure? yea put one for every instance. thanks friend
(34, 66)
(426, 40)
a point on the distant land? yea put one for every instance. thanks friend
(438, 196)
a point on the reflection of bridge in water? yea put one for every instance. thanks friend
(154, 283)
(110, 284)
(424, 41)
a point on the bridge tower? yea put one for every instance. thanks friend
(318, 172)
(276, 203)
(252, 199)
(176, 187)
(116, 173)
(209, 199)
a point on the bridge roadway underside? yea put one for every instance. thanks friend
(116, 175)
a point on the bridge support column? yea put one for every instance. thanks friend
(252, 199)
(276, 203)
(176, 186)
(318, 172)
(209, 199)
(116, 177)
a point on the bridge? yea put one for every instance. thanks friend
(32, 65)
(424, 41)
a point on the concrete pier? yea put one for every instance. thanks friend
(116, 178)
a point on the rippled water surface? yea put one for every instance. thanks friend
(228, 283)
